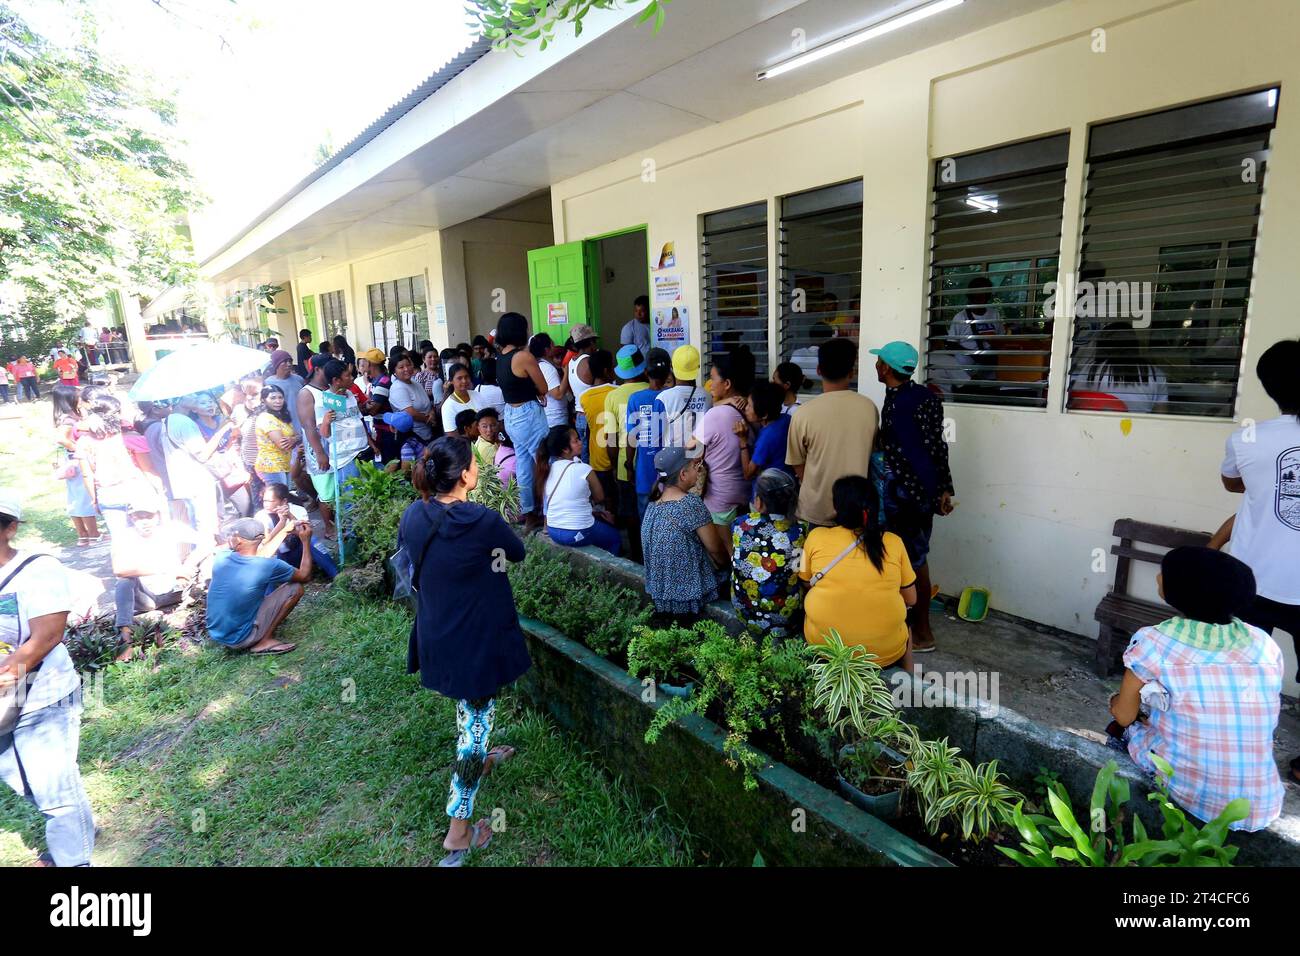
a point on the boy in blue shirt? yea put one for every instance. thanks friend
(645, 435)
(767, 401)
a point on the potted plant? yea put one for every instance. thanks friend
(663, 654)
(851, 693)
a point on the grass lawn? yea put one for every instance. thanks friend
(27, 458)
(225, 759)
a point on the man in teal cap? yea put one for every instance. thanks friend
(918, 483)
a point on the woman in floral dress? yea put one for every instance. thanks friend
(767, 545)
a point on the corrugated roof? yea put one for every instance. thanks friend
(440, 78)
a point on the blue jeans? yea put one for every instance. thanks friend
(526, 426)
(4, 393)
(642, 505)
(38, 759)
(580, 423)
(600, 535)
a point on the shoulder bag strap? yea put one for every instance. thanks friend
(836, 560)
(14, 573)
(435, 523)
(547, 503)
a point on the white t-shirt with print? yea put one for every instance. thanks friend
(567, 497)
(347, 433)
(1266, 534)
(39, 589)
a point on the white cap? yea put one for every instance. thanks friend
(11, 504)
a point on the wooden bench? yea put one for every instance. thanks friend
(1119, 613)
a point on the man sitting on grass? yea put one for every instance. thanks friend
(252, 593)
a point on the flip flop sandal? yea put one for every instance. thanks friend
(277, 649)
(499, 755)
(457, 857)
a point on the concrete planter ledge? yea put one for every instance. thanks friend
(1022, 747)
(790, 819)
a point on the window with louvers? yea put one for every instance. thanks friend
(995, 245)
(333, 314)
(821, 273)
(734, 256)
(1171, 213)
(399, 312)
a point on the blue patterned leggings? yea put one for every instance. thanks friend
(474, 720)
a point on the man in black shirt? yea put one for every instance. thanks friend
(304, 352)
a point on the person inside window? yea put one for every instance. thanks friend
(572, 499)
(1202, 690)
(860, 583)
(40, 694)
(684, 559)
(1118, 369)
(466, 643)
(766, 547)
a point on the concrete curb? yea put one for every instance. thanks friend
(1021, 746)
(790, 819)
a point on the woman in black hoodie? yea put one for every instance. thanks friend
(466, 642)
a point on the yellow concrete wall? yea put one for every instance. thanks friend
(1038, 489)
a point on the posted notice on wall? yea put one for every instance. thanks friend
(667, 257)
(672, 327)
(408, 329)
(380, 342)
(668, 289)
(440, 314)
(390, 332)
(557, 313)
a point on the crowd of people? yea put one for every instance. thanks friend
(812, 516)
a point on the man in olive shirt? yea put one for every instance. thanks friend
(832, 435)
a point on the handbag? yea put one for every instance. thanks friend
(11, 700)
(406, 572)
(225, 466)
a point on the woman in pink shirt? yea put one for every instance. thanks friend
(726, 490)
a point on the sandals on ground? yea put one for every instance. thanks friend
(457, 857)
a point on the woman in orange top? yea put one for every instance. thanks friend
(860, 583)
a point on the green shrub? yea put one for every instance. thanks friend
(661, 653)
(749, 679)
(375, 502)
(600, 615)
(1047, 839)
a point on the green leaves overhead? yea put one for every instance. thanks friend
(515, 26)
(92, 194)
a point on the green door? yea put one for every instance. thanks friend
(557, 286)
(309, 320)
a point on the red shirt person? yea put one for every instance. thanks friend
(67, 369)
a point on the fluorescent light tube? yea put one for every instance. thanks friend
(862, 36)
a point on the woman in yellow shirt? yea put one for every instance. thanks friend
(860, 582)
(275, 438)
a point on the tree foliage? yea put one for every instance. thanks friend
(516, 24)
(91, 189)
